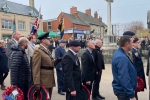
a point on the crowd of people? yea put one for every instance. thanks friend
(32, 64)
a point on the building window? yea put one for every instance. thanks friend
(6, 24)
(31, 24)
(49, 26)
(21, 26)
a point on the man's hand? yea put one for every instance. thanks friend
(37, 87)
(88, 83)
(73, 93)
(133, 98)
(60, 69)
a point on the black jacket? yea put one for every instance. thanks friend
(20, 69)
(72, 72)
(3, 61)
(99, 59)
(88, 67)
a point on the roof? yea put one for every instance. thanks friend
(18, 8)
(75, 20)
(48, 20)
(89, 19)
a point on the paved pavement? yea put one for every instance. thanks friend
(105, 87)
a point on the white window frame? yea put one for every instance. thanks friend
(22, 27)
(7, 24)
(49, 25)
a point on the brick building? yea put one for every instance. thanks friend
(24, 16)
(77, 24)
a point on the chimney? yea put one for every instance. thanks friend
(96, 15)
(31, 3)
(100, 19)
(73, 11)
(88, 11)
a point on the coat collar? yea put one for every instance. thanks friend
(45, 50)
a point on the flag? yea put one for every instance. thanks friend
(36, 24)
(14, 25)
(61, 27)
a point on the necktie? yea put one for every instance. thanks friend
(92, 56)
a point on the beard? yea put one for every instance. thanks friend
(26, 47)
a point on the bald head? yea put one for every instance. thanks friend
(23, 42)
(16, 35)
(98, 43)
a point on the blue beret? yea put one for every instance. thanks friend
(74, 43)
(129, 33)
(62, 41)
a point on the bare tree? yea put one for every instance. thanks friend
(133, 26)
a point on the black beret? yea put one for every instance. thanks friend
(44, 36)
(135, 40)
(62, 41)
(129, 33)
(74, 43)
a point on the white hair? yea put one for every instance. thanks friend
(22, 40)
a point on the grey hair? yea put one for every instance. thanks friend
(13, 34)
(87, 43)
(22, 40)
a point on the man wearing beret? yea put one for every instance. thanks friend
(59, 53)
(72, 72)
(43, 66)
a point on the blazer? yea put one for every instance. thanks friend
(59, 52)
(88, 67)
(72, 72)
(29, 51)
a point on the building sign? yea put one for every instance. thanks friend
(68, 31)
(79, 31)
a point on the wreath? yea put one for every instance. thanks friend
(85, 93)
(32, 93)
(141, 84)
(8, 94)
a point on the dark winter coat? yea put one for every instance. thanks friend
(3, 61)
(20, 69)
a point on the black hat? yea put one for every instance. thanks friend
(62, 41)
(129, 33)
(44, 36)
(74, 43)
(135, 40)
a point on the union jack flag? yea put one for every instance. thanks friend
(36, 24)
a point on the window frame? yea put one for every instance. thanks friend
(6, 24)
(21, 28)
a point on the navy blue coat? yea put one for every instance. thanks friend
(124, 74)
(3, 61)
(59, 52)
(138, 64)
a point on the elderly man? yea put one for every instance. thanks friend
(59, 53)
(88, 65)
(124, 74)
(43, 65)
(20, 69)
(14, 40)
(72, 72)
(100, 65)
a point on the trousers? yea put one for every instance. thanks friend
(95, 90)
(122, 96)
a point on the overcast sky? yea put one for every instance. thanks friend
(123, 11)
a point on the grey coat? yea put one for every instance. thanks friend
(9, 51)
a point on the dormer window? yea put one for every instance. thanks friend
(33, 13)
(5, 8)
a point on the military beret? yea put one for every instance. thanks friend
(62, 41)
(135, 40)
(44, 36)
(129, 33)
(74, 43)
